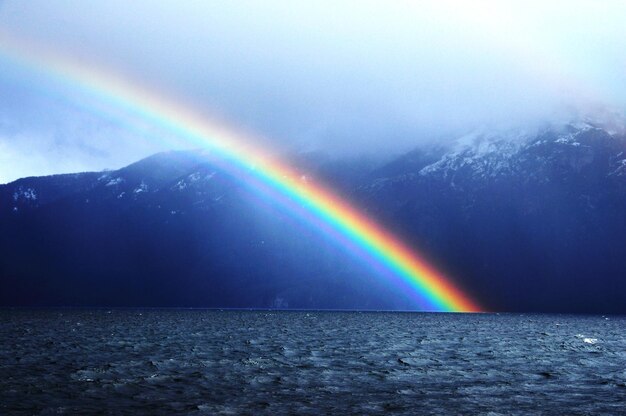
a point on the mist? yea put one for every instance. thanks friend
(352, 77)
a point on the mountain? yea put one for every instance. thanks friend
(533, 221)
(171, 230)
(523, 221)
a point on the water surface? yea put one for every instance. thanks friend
(201, 362)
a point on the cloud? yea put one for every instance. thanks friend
(40, 134)
(43, 152)
(353, 76)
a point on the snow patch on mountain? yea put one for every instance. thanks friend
(181, 184)
(114, 181)
(484, 155)
(28, 194)
(143, 187)
(192, 179)
(620, 169)
(479, 154)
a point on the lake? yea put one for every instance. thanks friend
(208, 362)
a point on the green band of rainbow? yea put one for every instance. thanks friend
(315, 204)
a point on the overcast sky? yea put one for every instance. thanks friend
(342, 76)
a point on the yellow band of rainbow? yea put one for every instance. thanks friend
(316, 204)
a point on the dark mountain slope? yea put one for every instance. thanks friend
(522, 221)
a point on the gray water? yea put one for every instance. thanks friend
(200, 362)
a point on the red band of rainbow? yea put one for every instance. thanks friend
(312, 203)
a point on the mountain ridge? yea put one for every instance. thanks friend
(519, 221)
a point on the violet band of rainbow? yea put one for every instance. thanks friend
(312, 203)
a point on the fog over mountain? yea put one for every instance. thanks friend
(523, 221)
(346, 78)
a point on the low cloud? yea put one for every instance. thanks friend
(362, 76)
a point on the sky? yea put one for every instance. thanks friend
(347, 77)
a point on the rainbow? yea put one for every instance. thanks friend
(312, 203)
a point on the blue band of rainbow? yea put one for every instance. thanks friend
(310, 202)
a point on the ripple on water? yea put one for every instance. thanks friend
(209, 362)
